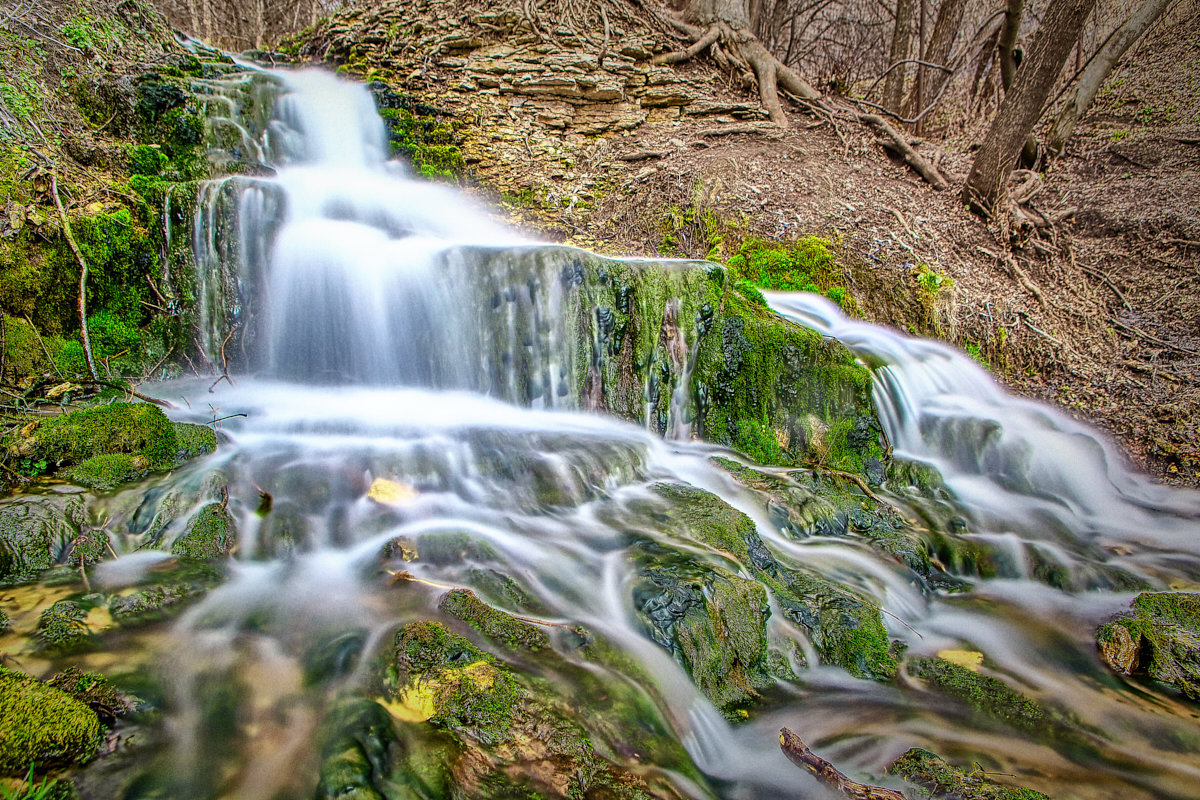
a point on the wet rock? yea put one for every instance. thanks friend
(359, 747)
(715, 623)
(4, 621)
(496, 625)
(33, 530)
(211, 533)
(939, 779)
(62, 628)
(193, 441)
(996, 699)
(473, 727)
(43, 726)
(151, 604)
(846, 629)
(1158, 637)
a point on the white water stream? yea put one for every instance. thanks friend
(367, 368)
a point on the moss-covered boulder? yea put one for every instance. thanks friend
(136, 429)
(211, 533)
(938, 779)
(62, 628)
(43, 726)
(193, 441)
(713, 621)
(107, 471)
(501, 628)
(1158, 637)
(846, 628)
(34, 530)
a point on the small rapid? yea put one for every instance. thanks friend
(384, 441)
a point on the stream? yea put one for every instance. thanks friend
(394, 399)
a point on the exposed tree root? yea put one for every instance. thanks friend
(737, 48)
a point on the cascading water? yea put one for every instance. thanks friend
(385, 412)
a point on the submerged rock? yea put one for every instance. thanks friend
(1159, 637)
(43, 726)
(996, 699)
(211, 533)
(940, 780)
(34, 529)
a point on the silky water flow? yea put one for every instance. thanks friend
(393, 392)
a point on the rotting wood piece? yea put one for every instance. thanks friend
(799, 754)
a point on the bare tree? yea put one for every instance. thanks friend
(1006, 45)
(902, 36)
(941, 43)
(1097, 70)
(1022, 104)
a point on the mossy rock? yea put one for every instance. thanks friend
(502, 628)
(62, 628)
(494, 734)
(151, 604)
(996, 699)
(939, 779)
(713, 621)
(107, 471)
(135, 429)
(43, 726)
(33, 529)
(95, 691)
(1158, 637)
(193, 441)
(211, 533)
(846, 628)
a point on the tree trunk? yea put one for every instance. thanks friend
(1097, 70)
(902, 35)
(1007, 43)
(941, 42)
(734, 13)
(1023, 103)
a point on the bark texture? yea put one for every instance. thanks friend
(1022, 105)
(1098, 69)
(902, 35)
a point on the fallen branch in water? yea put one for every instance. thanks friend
(799, 754)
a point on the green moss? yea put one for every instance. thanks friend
(43, 726)
(996, 699)
(4, 621)
(137, 429)
(62, 629)
(495, 624)
(93, 690)
(805, 265)
(469, 692)
(939, 779)
(781, 394)
(419, 132)
(1159, 637)
(211, 533)
(107, 471)
(193, 441)
(845, 628)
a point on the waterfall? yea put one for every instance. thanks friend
(406, 415)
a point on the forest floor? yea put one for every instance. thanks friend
(1099, 315)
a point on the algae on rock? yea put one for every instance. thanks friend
(43, 726)
(1160, 637)
(33, 530)
(211, 533)
(939, 779)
